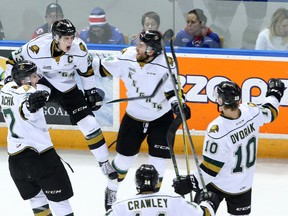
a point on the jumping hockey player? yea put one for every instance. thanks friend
(148, 202)
(34, 165)
(230, 146)
(58, 56)
(141, 69)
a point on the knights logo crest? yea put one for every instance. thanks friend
(26, 87)
(123, 50)
(251, 104)
(82, 47)
(35, 49)
(170, 60)
(214, 129)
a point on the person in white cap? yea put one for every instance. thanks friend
(99, 31)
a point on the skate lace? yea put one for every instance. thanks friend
(111, 196)
(107, 168)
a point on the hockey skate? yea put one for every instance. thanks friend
(110, 198)
(108, 170)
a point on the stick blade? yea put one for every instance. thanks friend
(168, 35)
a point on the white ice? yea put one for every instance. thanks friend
(269, 196)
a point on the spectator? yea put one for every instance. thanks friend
(34, 165)
(99, 30)
(149, 202)
(223, 12)
(149, 21)
(2, 36)
(54, 12)
(275, 37)
(196, 33)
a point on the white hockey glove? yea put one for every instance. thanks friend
(211, 198)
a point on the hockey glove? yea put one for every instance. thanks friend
(185, 184)
(176, 109)
(276, 88)
(94, 95)
(36, 100)
(211, 198)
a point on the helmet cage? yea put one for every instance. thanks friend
(22, 71)
(152, 39)
(227, 93)
(63, 28)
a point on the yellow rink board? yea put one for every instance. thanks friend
(74, 140)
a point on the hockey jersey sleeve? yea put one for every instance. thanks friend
(269, 109)
(15, 56)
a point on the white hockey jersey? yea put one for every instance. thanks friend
(25, 129)
(140, 79)
(59, 71)
(158, 205)
(230, 147)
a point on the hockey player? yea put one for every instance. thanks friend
(230, 146)
(140, 69)
(58, 57)
(148, 202)
(34, 165)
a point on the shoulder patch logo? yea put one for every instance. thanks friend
(214, 129)
(170, 60)
(252, 104)
(123, 50)
(82, 47)
(35, 49)
(26, 87)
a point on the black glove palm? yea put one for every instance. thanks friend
(276, 88)
(176, 109)
(182, 185)
(94, 95)
(36, 100)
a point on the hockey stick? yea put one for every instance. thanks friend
(170, 140)
(168, 36)
(158, 86)
(180, 96)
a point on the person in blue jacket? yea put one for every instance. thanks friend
(99, 31)
(54, 12)
(196, 33)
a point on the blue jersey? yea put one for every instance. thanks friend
(210, 40)
(114, 36)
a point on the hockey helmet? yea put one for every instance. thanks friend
(63, 28)
(54, 7)
(229, 92)
(146, 178)
(152, 38)
(22, 70)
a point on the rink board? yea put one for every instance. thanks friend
(200, 70)
(73, 139)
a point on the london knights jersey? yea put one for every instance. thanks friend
(140, 79)
(25, 129)
(230, 147)
(59, 71)
(160, 205)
